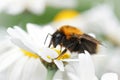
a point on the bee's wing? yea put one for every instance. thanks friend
(88, 43)
(90, 38)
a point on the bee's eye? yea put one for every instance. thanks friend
(58, 35)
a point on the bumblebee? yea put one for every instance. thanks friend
(74, 40)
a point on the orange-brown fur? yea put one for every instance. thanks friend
(69, 31)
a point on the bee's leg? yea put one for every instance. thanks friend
(71, 46)
(60, 48)
(63, 52)
(61, 45)
(50, 44)
(47, 37)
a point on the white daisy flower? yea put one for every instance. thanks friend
(18, 6)
(32, 42)
(109, 76)
(31, 49)
(82, 70)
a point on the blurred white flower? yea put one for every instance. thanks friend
(109, 76)
(35, 6)
(18, 6)
(82, 70)
(113, 63)
(102, 20)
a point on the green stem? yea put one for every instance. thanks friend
(50, 74)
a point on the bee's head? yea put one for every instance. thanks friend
(57, 38)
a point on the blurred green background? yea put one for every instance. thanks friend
(7, 20)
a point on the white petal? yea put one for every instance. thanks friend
(48, 31)
(20, 38)
(110, 76)
(12, 33)
(86, 67)
(17, 32)
(72, 71)
(71, 60)
(9, 58)
(83, 70)
(46, 59)
(33, 28)
(29, 46)
(72, 67)
(16, 73)
(59, 64)
(39, 34)
(36, 34)
(28, 69)
(71, 76)
(40, 72)
(20, 31)
(8, 46)
(23, 45)
(47, 52)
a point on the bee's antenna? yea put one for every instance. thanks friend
(47, 37)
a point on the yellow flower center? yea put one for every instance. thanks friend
(29, 54)
(33, 55)
(64, 56)
(65, 15)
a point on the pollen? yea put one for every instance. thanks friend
(29, 54)
(64, 56)
(65, 15)
(48, 57)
